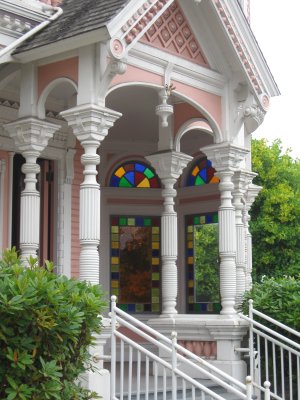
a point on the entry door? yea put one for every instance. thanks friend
(135, 263)
(45, 186)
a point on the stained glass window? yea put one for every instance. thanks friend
(202, 261)
(134, 175)
(202, 173)
(135, 263)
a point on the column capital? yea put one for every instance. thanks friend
(225, 156)
(90, 122)
(169, 164)
(252, 193)
(31, 134)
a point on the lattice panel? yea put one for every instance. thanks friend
(172, 33)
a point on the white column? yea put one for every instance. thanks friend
(250, 196)
(169, 166)
(2, 176)
(31, 136)
(239, 190)
(226, 159)
(90, 125)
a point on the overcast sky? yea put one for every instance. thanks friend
(276, 26)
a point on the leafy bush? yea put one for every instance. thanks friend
(279, 298)
(46, 326)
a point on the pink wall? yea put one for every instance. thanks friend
(182, 113)
(75, 246)
(4, 156)
(60, 69)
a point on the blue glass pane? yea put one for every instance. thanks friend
(114, 252)
(115, 275)
(140, 167)
(131, 307)
(155, 253)
(114, 181)
(130, 177)
(203, 174)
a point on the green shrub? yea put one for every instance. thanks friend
(279, 298)
(46, 326)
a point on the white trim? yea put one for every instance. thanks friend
(194, 123)
(10, 194)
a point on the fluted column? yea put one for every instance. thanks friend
(238, 192)
(31, 136)
(90, 125)
(252, 192)
(169, 166)
(226, 159)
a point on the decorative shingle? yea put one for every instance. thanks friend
(79, 16)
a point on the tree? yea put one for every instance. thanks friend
(275, 215)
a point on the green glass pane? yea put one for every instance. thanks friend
(115, 292)
(114, 238)
(147, 222)
(155, 238)
(149, 174)
(124, 183)
(155, 292)
(123, 221)
(114, 229)
(123, 307)
(115, 268)
(196, 220)
(131, 221)
(197, 307)
(199, 181)
(139, 308)
(217, 307)
(155, 307)
(155, 276)
(215, 218)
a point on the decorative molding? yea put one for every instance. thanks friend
(225, 156)
(242, 52)
(172, 33)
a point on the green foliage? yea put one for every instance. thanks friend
(279, 298)
(47, 323)
(206, 263)
(275, 215)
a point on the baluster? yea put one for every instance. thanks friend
(155, 380)
(193, 393)
(298, 376)
(122, 370)
(138, 375)
(202, 395)
(249, 387)
(164, 384)
(282, 373)
(258, 360)
(113, 347)
(183, 389)
(130, 373)
(267, 360)
(147, 378)
(174, 366)
(274, 369)
(291, 375)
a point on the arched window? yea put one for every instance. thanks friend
(134, 174)
(202, 173)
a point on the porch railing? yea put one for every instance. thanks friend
(274, 356)
(145, 373)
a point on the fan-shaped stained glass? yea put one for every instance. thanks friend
(134, 175)
(202, 173)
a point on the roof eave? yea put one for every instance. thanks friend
(66, 45)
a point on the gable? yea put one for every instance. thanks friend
(172, 33)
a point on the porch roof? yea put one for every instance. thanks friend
(79, 16)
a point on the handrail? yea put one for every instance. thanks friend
(183, 355)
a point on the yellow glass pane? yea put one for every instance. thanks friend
(190, 236)
(191, 299)
(195, 171)
(139, 308)
(115, 245)
(155, 300)
(120, 172)
(114, 284)
(144, 184)
(115, 292)
(155, 238)
(155, 245)
(191, 283)
(214, 179)
(190, 245)
(131, 221)
(155, 261)
(115, 260)
(202, 219)
(115, 229)
(210, 307)
(155, 230)
(190, 229)
(190, 260)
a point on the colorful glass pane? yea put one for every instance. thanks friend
(202, 173)
(134, 175)
(135, 263)
(202, 267)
